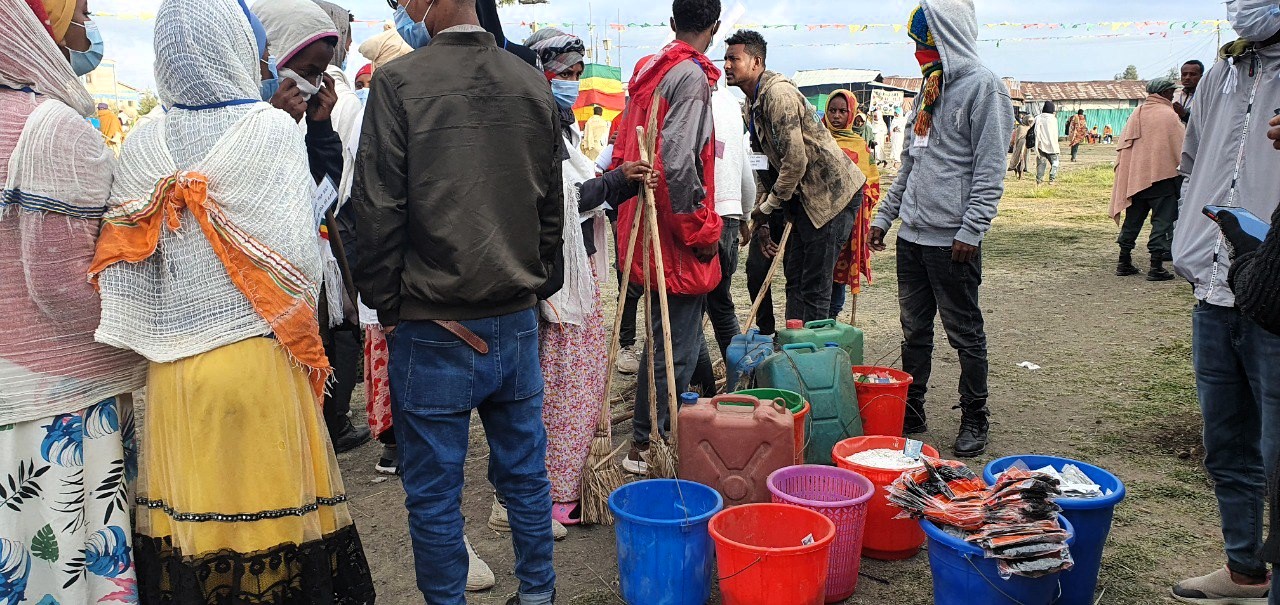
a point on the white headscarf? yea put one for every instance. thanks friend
(180, 301)
(30, 59)
(292, 25)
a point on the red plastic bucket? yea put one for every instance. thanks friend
(883, 406)
(762, 558)
(885, 538)
(840, 495)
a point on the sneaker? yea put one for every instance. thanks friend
(498, 522)
(389, 463)
(349, 437)
(1125, 267)
(1218, 588)
(479, 576)
(628, 361)
(635, 462)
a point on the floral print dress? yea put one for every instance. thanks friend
(65, 490)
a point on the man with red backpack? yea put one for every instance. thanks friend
(679, 79)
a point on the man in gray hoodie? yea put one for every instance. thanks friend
(946, 195)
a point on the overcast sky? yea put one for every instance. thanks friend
(129, 40)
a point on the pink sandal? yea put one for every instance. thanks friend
(566, 513)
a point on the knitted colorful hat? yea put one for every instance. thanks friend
(918, 28)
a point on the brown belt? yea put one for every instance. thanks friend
(465, 335)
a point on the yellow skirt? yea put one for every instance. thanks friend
(240, 499)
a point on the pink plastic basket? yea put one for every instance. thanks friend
(840, 495)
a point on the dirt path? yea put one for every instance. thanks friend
(1115, 390)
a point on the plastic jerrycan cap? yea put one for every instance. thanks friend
(795, 324)
(688, 398)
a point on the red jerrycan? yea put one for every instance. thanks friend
(732, 443)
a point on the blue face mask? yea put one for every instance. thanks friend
(85, 61)
(566, 92)
(414, 33)
(269, 87)
(363, 95)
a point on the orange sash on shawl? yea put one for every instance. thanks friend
(277, 290)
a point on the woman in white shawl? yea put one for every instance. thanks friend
(67, 455)
(573, 340)
(208, 267)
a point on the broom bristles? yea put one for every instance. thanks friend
(600, 478)
(662, 460)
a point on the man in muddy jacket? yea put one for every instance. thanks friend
(812, 181)
(946, 196)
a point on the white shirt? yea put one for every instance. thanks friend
(735, 181)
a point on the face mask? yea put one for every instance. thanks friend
(85, 61)
(414, 33)
(566, 92)
(363, 95)
(269, 86)
(308, 89)
(1254, 20)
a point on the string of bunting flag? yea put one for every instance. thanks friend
(1212, 24)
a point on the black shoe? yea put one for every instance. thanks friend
(972, 440)
(1125, 268)
(349, 437)
(1159, 274)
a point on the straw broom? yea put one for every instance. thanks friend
(599, 476)
(663, 458)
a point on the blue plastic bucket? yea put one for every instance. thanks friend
(1090, 516)
(665, 554)
(962, 575)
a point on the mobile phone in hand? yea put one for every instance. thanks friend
(1249, 222)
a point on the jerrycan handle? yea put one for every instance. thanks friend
(801, 346)
(735, 403)
(821, 323)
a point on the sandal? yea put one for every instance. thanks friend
(567, 513)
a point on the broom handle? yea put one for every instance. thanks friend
(664, 309)
(655, 425)
(768, 280)
(606, 413)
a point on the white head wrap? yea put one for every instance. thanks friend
(31, 59)
(292, 25)
(180, 301)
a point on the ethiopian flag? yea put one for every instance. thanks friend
(601, 85)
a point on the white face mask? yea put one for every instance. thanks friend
(308, 89)
(1254, 20)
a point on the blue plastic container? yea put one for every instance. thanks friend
(1090, 516)
(962, 575)
(745, 353)
(665, 554)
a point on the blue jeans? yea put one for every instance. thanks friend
(1238, 381)
(436, 381)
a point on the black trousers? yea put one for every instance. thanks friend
(720, 307)
(627, 335)
(343, 347)
(811, 259)
(931, 284)
(758, 268)
(1161, 202)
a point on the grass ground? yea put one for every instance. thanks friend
(1116, 390)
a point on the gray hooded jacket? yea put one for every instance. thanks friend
(952, 181)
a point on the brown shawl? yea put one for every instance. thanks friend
(1149, 150)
